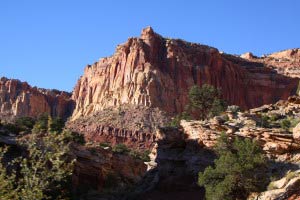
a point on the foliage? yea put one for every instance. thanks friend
(120, 148)
(291, 175)
(233, 108)
(205, 102)
(25, 123)
(41, 124)
(285, 124)
(45, 171)
(55, 125)
(71, 136)
(6, 186)
(176, 120)
(238, 171)
(11, 128)
(144, 156)
(265, 121)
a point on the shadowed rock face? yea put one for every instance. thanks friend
(18, 99)
(285, 62)
(158, 72)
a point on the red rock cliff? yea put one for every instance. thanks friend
(19, 99)
(158, 72)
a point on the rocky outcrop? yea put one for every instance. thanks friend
(285, 62)
(296, 132)
(285, 188)
(19, 99)
(134, 126)
(158, 72)
(179, 154)
(99, 168)
(263, 124)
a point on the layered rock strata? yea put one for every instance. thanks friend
(285, 62)
(158, 72)
(18, 99)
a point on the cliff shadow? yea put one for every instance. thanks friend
(174, 174)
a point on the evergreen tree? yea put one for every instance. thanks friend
(239, 170)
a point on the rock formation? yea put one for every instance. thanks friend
(285, 188)
(158, 72)
(134, 126)
(262, 124)
(99, 168)
(19, 99)
(285, 62)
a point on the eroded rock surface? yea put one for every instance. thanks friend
(263, 124)
(18, 99)
(285, 62)
(157, 72)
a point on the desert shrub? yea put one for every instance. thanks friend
(238, 170)
(41, 124)
(11, 128)
(120, 148)
(285, 124)
(264, 121)
(7, 182)
(71, 136)
(234, 109)
(205, 102)
(294, 122)
(144, 155)
(43, 173)
(55, 125)
(25, 123)
(291, 175)
(271, 186)
(176, 120)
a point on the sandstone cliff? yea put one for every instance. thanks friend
(19, 99)
(179, 154)
(158, 72)
(285, 62)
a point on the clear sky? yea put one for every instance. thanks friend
(49, 42)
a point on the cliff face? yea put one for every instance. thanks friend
(285, 62)
(19, 99)
(130, 125)
(158, 72)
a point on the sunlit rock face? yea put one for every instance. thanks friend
(18, 99)
(158, 72)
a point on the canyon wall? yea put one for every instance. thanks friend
(18, 99)
(158, 72)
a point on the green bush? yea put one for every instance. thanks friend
(176, 120)
(55, 125)
(205, 102)
(120, 148)
(234, 109)
(41, 124)
(144, 156)
(43, 173)
(71, 136)
(285, 124)
(11, 128)
(264, 121)
(238, 171)
(25, 123)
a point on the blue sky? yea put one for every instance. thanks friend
(49, 42)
